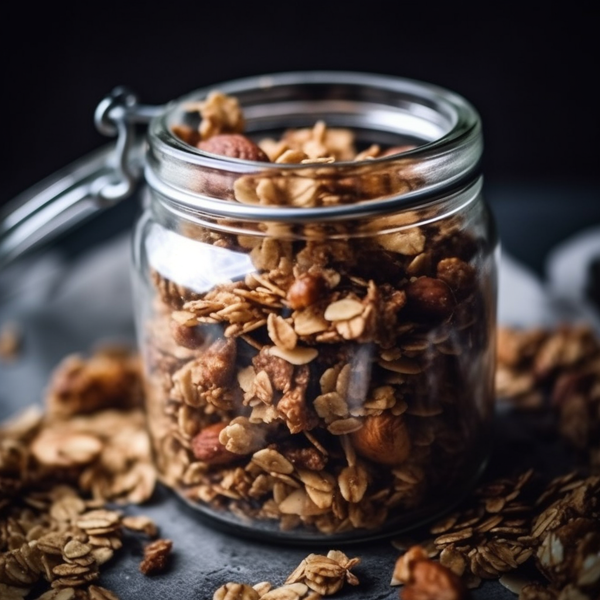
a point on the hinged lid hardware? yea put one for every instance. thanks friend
(116, 115)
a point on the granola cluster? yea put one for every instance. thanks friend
(340, 382)
(559, 367)
(59, 469)
(315, 577)
(567, 528)
(505, 528)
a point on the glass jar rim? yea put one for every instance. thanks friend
(170, 159)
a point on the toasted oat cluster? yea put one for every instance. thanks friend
(505, 524)
(560, 367)
(341, 381)
(316, 576)
(57, 470)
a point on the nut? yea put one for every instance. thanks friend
(233, 145)
(458, 274)
(156, 556)
(405, 564)
(186, 336)
(306, 290)
(383, 439)
(207, 447)
(432, 581)
(429, 298)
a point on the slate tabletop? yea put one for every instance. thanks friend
(59, 298)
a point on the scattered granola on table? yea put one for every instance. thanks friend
(58, 470)
(559, 367)
(425, 579)
(509, 522)
(315, 577)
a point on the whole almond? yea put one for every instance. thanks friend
(207, 447)
(233, 145)
(383, 439)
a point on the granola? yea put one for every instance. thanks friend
(58, 469)
(425, 579)
(316, 576)
(511, 521)
(313, 361)
(156, 556)
(559, 367)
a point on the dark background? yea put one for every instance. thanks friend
(529, 72)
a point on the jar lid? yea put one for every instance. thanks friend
(447, 125)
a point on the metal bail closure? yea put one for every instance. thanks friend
(75, 193)
(116, 115)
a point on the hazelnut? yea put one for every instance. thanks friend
(233, 145)
(188, 337)
(207, 447)
(458, 274)
(432, 581)
(305, 290)
(383, 439)
(429, 298)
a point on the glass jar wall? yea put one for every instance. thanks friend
(318, 329)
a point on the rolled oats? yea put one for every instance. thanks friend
(325, 574)
(236, 591)
(96, 592)
(565, 361)
(52, 532)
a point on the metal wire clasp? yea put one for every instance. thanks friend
(117, 114)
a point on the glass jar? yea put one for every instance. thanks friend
(318, 337)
